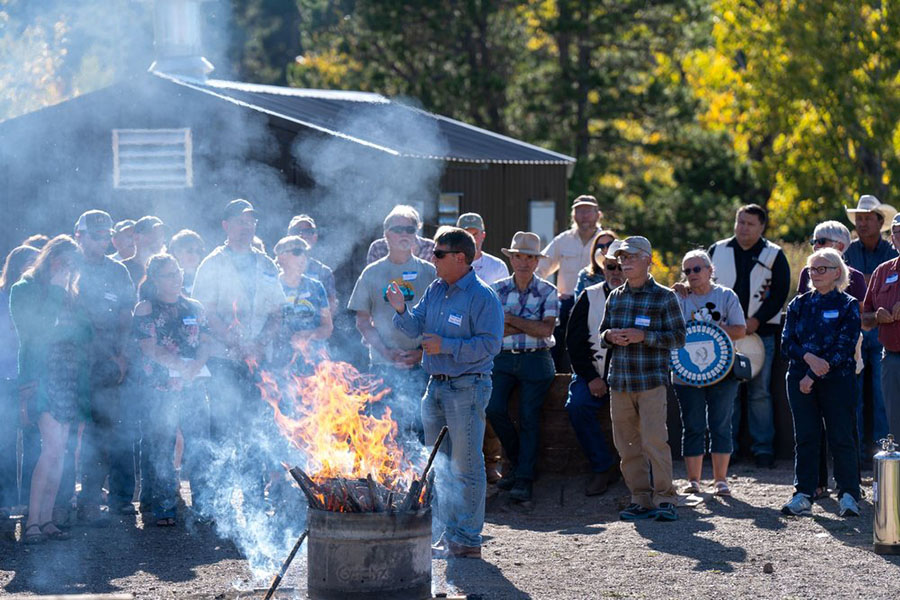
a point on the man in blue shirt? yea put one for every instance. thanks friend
(461, 323)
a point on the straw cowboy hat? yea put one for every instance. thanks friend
(869, 203)
(525, 242)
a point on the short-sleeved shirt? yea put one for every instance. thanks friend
(302, 311)
(490, 268)
(537, 302)
(859, 257)
(567, 254)
(175, 326)
(720, 306)
(370, 295)
(884, 292)
(322, 273)
(104, 291)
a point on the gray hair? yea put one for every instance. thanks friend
(834, 259)
(833, 230)
(704, 256)
(402, 211)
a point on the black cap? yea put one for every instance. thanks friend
(147, 224)
(236, 208)
(94, 220)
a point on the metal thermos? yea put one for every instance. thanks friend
(886, 492)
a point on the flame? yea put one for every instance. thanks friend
(325, 416)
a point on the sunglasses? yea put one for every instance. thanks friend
(99, 236)
(442, 253)
(820, 241)
(612, 267)
(402, 229)
(606, 245)
(820, 270)
(690, 270)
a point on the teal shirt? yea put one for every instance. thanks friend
(35, 309)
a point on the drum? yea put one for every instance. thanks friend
(752, 347)
(706, 357)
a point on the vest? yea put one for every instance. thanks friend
(597, 299)
(760, 274)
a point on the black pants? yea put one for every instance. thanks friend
(558, 352)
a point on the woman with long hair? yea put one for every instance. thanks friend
(53, 370)
(171, 331)
(16, 263)
(593, 273)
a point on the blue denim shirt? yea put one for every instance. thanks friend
(861, 259)
(467, 315)
(827, 326)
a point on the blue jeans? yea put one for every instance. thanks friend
(760, 414)
(705, 408)
(583, 407)
(459, 500)
(9, 423)
(871, 355)
(831, 399)
(534, 372)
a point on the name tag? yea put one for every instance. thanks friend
(891, 278)
(410, 275)
(303, 295)
(830, 314)
(455, 319)
(189, 320)
(113, 298)
(642, 321)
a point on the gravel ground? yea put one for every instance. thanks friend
(562, 546)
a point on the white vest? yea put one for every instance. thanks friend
(760, 274)
(597, 298)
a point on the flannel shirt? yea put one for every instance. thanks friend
(536, 303)
(653, 308)
(827, 326)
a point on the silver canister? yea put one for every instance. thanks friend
(886, 492)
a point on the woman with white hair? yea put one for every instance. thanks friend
(819, 338)
(834, 234)
(708, 408)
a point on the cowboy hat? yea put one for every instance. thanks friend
(525, 242)
(868, 203)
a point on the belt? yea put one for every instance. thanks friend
(451, 377)
(524, 350)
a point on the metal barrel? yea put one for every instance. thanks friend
(369, 555)
(886, 493)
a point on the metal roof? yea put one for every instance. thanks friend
(378, 122)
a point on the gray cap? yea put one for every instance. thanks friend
(94, 220)
(146, 224)
(613, 248)
(896, 221)
(470, 221)
(123, 225)
(634, 245)
(236, 208)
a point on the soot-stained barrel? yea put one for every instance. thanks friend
(369, 555)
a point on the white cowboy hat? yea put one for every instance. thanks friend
(868, 203)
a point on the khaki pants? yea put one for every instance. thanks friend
(491, 447)
(641, 437)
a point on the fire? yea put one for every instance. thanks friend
(325, 416)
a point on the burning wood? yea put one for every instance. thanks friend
(362, 495)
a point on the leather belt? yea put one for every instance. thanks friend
(524, 350)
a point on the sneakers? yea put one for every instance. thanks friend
(636, 512)
(799, 506)
(849, 506)
(665, 512)
(521, 490)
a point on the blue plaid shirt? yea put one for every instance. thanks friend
(539, 301)
(655, 309)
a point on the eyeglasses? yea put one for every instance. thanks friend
(99, 236)
(442, 253)
(690, 270)
(403, 229)
(821, 241)
(625, 257)
(612, 267)
(821, 270)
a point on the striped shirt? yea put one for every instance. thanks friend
(536, 303)
(654, 309)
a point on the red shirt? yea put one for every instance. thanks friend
(884, 292)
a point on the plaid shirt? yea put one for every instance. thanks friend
(536, 303)
(653, 308)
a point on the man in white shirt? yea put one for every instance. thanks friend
(489, 269)
(567, 254)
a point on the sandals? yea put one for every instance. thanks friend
(693, 487)
(33, 538)
(722, 488)
(59, 535)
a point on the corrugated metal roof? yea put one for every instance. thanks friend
(379, 123)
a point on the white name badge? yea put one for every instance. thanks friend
(830, 314)
(113, 298)
(410, 275)
(303, 295)
(891, 278)
(642, 321)
(189, 320)
(455, 319)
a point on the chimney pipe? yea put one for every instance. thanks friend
(178, 39)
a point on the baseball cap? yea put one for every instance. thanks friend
(94, 220)
(123, 225)
(585, 200)
(147, 224)
(291, 242)
(896, 221)
(635, 245)
(470, 221)
(236, 208)
(294, 225)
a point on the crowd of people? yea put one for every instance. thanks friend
(140, 352)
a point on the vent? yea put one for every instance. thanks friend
(152, 158)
